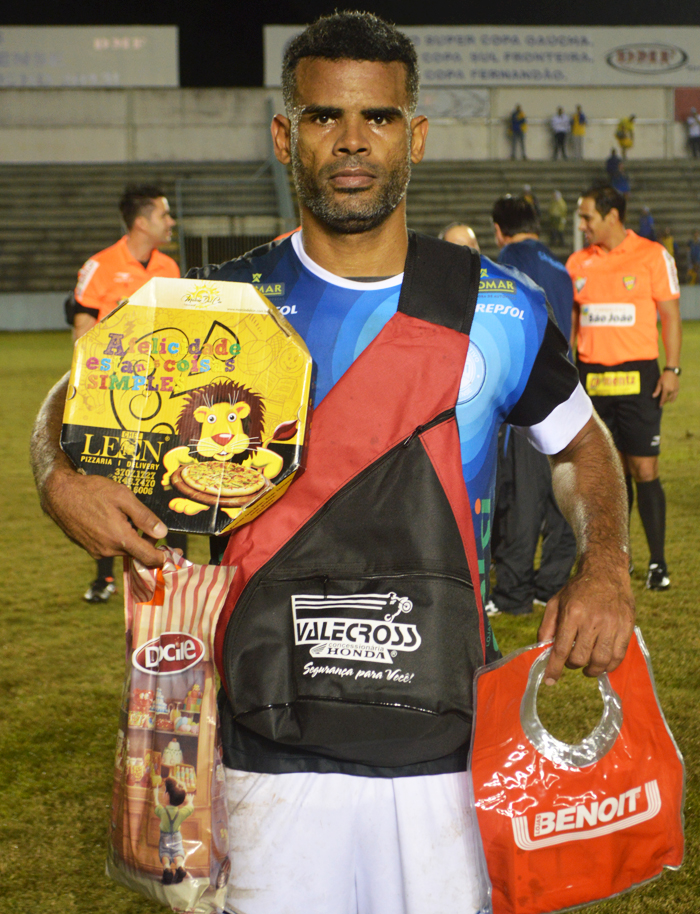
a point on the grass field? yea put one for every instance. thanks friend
(61, 665)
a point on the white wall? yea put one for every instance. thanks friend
(126, 125)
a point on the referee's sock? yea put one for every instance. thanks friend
(651, 502)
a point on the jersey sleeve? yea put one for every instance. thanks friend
(664, 275)
(553, 407)
(89, 290)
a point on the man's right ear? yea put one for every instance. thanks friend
(281, 138)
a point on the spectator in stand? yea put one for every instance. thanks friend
(625, 134)
(557, 218)
(693, 122)
(669, 243)
(646, 224)
(108, 278)
(460, 233)
(578, 131)
(529, 196)
(561, 127)
(694, 258)
(517, 128)
(620, 181)
(612, 163)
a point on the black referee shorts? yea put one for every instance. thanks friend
(634, 419)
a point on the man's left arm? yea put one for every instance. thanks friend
(591, 620)
(671, 332)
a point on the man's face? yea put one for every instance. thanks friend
(595, 227)
(350, 141)
(157, 222)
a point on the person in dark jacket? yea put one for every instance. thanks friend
(526, 508)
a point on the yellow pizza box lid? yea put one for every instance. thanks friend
(197, 396)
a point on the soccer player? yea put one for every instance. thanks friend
(621, 284)
(112, 276)
(312, 830)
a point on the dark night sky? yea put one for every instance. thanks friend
(221, 42)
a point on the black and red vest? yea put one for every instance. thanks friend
(354, 627)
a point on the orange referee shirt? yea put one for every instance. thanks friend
(114, 274)
(617, 292)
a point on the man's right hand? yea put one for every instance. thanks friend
(101, 516)
(98, 514)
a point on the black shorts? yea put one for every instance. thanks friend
(634, 419)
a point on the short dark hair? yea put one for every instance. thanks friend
(176, 791)
(137, 199)
(606, 198)
(514, 215)
(351, 35)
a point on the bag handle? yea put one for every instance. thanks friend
(598, 742)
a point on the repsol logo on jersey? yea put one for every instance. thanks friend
(506, 310)
(352, 637)
(588, 820)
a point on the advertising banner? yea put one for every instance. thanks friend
(89, 56)
(537, 55)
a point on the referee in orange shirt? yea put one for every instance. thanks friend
(621, 283)
(113, 275)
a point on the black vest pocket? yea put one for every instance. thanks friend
(372, 669)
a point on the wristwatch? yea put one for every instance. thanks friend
(676, 370)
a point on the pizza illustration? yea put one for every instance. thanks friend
(226, 484)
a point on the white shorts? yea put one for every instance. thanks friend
(311, 843)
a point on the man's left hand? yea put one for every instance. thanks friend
(591, 621)
(667, 387)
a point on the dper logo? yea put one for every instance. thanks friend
(171, 652)
(647, 58)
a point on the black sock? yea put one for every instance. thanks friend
(651, 503)
(630, 492)
(105, 567)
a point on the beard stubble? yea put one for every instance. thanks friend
(354, 210)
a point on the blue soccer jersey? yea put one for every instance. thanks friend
(516, 368)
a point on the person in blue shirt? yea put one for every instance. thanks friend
(517, 125)
(612, 163)
(647, 228)
(525, 505)
(310, 832)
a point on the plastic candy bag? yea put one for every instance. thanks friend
(566, 825)
(169, 825)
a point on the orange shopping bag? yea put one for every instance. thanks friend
(566, 825)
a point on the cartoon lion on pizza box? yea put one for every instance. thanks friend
(221, 459)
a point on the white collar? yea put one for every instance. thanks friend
(334, 280)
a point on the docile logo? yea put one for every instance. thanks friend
(170, 652)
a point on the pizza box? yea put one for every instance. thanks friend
(197, 396)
